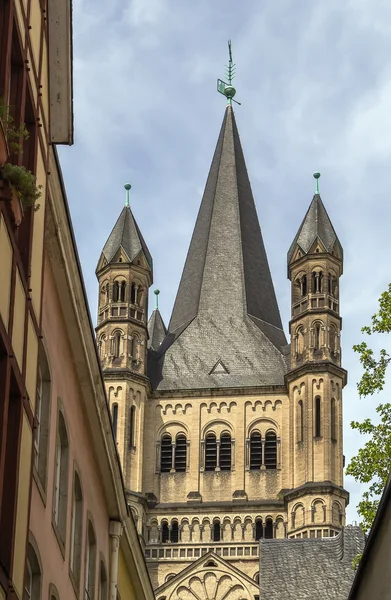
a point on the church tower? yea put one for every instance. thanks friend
(227, 434)
(316, 379)
(124, 274)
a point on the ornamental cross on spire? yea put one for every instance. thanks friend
(224, 88)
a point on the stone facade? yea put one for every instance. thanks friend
(211, 470)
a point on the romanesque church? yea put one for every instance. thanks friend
(227, 434)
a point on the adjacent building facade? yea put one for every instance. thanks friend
(65, 526)
(226, 433)
(35, 89)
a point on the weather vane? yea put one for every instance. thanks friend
(224, 88)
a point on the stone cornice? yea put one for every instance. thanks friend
(317, 368)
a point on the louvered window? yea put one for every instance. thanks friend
(180, 453)
(132, 442)
(258, 529)
(166, 454)
(216, 531)
(225, 452)
(317, 417)
(165, 533)
(174, 533)
(271, 450)
(210, 452)
(255, 450)
(114, 414)
(269, 529)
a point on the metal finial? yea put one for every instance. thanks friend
(157, 292)
(317, 175)
(127, 187)
(224, 88)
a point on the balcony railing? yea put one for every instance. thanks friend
(233, 550)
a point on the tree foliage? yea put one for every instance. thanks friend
(373, 462)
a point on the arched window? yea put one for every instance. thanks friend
(114, 415)
(333, 421)
(317, 417)
(271, 450)
(133, 345)
(115, 291)
(256, 577)
(102, 345)
(166, 453)
(117, 344)
(317, 331)
(33, 576)
(132, 442)
(76, 530)
(122, 289)
(60, 495)
(90, 562)
(255, 450)
(42, 411)
(303, 284)
(102, 582)
(180, 453)
(225, 452)
(258, 529)
(333, 340)
(269, 529)
(174, 532)
(317, 282)
(165, 533)
(216, 531)
(300, 421)
(300, 341)
(210, 452)
(133, 293)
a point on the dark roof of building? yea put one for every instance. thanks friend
(126, 235)
(380, 522)
(304, 569)
(156, 329)
(226, 308)
(316, 224)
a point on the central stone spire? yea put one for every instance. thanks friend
(226, 309)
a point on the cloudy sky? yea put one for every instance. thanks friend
(314, 79)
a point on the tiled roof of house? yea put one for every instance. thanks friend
(311, 568)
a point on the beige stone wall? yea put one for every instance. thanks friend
(197, 416)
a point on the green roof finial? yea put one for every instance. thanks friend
(127, 187)
(157, 292)
(317, 175)
(224, 88)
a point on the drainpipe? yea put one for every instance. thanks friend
(115, 532)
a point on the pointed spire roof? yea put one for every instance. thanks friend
(316, 225)
(156, 330)
(127, 236)
(226, 308)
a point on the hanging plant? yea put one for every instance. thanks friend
(24, 184)
(14, 135)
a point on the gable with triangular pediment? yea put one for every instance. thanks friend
(317, 247)
(219, 368)
(209, 577)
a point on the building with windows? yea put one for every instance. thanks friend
(36, 97)
(65, 526)
(227, 434)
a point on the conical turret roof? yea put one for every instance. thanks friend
(316, 225)
(156, 330)
(126, 235)
(226, 310)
